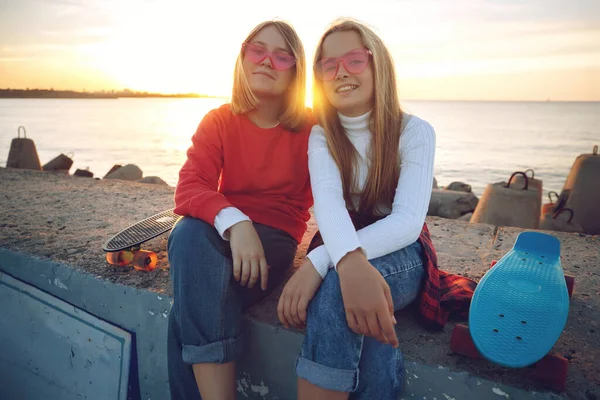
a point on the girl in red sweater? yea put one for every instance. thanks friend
(244, 194)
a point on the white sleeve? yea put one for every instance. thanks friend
(319, 257)
(403, 225)
(331, 214)
(228, 217)
(409, 209)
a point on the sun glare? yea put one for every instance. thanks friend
(182, 46)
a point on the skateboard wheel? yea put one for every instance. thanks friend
(570, 280)
(462, 343)
(493, 263)
(144, 260)
(121, 258)
(551, 371)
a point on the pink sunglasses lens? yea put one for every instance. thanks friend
(254, 53)
(354, 62)
(280, 61)
(326, 69)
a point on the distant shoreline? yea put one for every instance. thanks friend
(113, 94)
(70, 94)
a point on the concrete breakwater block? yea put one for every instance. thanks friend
(23, 153)
(52, 350)
(506, 204)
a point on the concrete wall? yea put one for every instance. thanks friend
(141, 313)
(117, 315)
(52, 350)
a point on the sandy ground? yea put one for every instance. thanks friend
(67, 219)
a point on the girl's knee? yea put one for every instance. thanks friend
(191, 231)
(195, 246)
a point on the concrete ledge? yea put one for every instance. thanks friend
(267, 368)
(52, 228)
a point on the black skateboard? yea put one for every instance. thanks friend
(124, 248)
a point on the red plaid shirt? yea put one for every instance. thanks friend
(442, 295)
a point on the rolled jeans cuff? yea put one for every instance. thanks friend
(220, 352)
(340, 380)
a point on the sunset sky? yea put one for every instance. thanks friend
(461, 49)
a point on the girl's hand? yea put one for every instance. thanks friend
(249, 260)
(367, 299)
(297, 294)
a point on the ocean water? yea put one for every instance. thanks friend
(477, 142)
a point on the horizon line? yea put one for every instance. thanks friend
(140, 93)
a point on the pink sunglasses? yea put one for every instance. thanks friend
(257, 54)
(355, 61)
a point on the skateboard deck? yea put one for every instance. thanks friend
(519, 310)
(520, 307)
(124, 248)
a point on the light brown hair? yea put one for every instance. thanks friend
(242, 98)
(385, 124)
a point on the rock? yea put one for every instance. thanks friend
(459, 186)
(113, 169)
(451, 203)
(152, 179)
(129, 172)
(84, 173)
(466, 217)
(435, 184)
(60, 163)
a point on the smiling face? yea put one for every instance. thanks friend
(350, 94)
(264, 80)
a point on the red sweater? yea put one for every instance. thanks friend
(262, 172)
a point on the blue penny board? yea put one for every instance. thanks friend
(520, 306)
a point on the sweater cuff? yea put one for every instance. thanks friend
(319, 257)
(361, 249)
(226, 218)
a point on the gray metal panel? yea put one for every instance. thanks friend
(52, 350)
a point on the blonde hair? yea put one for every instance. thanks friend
(385, 124)
(242, 98)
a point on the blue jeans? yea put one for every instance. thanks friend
(335, 358)
(205, 319)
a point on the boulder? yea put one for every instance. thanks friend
(84, 173)
(466, 217)
(129, 172)
(60, 163)
(451, 203)
(113, 169)
(459, 186)
(153, 180)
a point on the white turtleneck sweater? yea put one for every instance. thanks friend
(402, 224)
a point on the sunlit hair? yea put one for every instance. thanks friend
(294, 111)
(385, 122)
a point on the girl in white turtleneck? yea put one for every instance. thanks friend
(371, 170)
